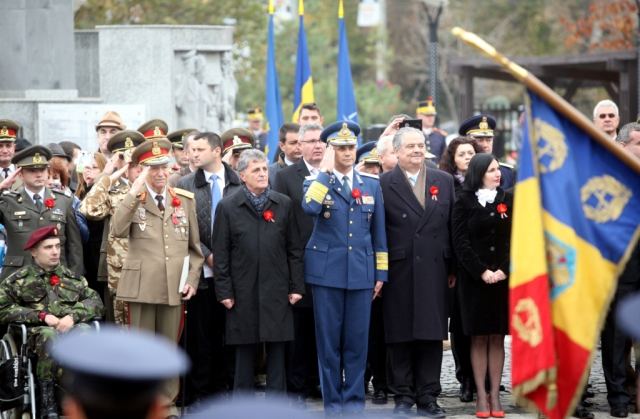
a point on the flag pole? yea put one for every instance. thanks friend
(552, 98)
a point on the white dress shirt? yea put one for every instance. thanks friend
(341, 176)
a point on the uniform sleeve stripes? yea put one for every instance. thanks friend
(317, 192)
(382, 261)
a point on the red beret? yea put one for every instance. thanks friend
(41, 234)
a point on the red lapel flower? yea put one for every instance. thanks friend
(49, 203)
(55, 280)
(356, 194)
(502, 209)
(434, 192)
(176, 201)
(268, 215)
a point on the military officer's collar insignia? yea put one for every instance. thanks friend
(484, 124)
(4, 131)
(37, 158)
(359, 180)
(156, 131)
(236, 140)
(156, 148)
(128, 143)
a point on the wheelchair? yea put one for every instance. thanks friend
(23, 363)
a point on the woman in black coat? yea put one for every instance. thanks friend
(481, 238)
(456, 157)
(258, 271)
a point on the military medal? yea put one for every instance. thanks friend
(142, 213)
(20, 224)
(57, 211)
(327, 214)
(59, 226)
(142, 226)
(182, 230)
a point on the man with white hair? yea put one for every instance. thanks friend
(607, 117)
(386, 156)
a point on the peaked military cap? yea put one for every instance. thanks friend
(57, 151)
(125, 140)
(22, 143)
(131, 363)
(8, 130)
(155, 128)
(426, 107)
(478, 126)
(254, 114)
(34, 157)
(152, 152)
(177, 137)
(341, 133)
(41, 234)
(367, 153)
(237, 138)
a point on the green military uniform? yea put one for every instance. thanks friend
(28, 292)
(21, 217)
(100, 204)
(8, 131)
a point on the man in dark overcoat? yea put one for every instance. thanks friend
(258, 271)
(418, 204)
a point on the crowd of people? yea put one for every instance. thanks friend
(326, 269)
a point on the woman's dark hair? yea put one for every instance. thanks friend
(477, 168)
(447, 161)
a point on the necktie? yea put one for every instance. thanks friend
(6, 172)
(159, 198)
(216, 196)
(413, 179)
(346, 186)
(36, 199)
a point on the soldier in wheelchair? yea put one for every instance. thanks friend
(49, 300)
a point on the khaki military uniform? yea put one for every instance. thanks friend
(175, 177)
(17, 184)
(157, 248)
(100, 204)
(21, 218)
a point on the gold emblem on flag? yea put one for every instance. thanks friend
(551, 148)
(526, 322)
(610, 198)
(155, 150)
(557, 258)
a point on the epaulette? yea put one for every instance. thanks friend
(9, 192)
(182, 192)
(440, 131)
(369, 175)
(62, 192)
(507, 165)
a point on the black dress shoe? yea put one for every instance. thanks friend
(431, 410)
(619, 410)
(402, 409)
(582, 412)
(300, 402)
(379, 397)
(466, 390)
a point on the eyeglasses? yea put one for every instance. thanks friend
(312, 142)
(607, 115)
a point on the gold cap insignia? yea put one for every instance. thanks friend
(37, 158)
(183, 135)
(236, 140)
(345, 131)
(4, 131)
(156, 131)
(484, 124)
(374, 152)
(55, 231)
(128, 143)
(156, 148)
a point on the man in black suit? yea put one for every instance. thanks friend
(418, 203)
(302, 371)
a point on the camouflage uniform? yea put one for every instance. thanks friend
(100, 204)
(28, 292)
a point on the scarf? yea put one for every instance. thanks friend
(486, 195)
(459, 177)
(259, 201)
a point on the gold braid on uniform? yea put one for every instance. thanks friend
(316, 192)
(382, 261)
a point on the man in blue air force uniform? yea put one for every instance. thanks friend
(346, 263)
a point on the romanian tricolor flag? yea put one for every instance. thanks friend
(576, 219)
(303, 89)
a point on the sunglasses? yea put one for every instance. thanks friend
(607, 115)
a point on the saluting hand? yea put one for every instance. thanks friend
(118, 173)
(10, 180)
(329, 159)
(140, 181)
(393, 127)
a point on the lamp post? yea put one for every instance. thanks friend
(434, 8)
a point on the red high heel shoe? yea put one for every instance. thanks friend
(494, 413)
(483, 415)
